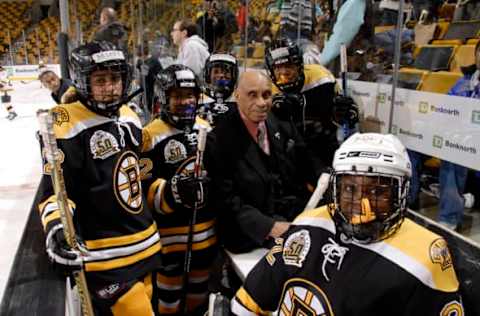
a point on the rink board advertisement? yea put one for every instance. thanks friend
(28, 72)
(442, 126)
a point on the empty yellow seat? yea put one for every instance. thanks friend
(439, 82)
(464, 56)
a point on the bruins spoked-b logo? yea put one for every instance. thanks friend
(303, 298)
(103, 145)
(126, 183)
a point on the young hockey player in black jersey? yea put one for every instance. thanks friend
(100, 139)
(307, 95)
(170, 145)
(220, 77)
(358, 255)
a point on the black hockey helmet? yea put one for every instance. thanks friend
(227, 77)
(285, 51)
(176, 77)
(86, 59)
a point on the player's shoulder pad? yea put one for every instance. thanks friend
(155, 132)
(422, 253)
(318, 217)
(201, 123)
(70, 120)
(127, 115)
(316, 75)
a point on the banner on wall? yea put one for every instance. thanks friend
(442, 126)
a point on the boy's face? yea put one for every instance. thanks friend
(106, 86)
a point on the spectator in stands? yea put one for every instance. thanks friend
(231, 26)
(58, 86)
(111, 30)
(242, 17)
(262, 169)
(192, 50)
(452, 177)
(294, 11)
(211, 25)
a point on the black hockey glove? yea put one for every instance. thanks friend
(187, 190)
(62, 256)
(284, 105)
(345, 111)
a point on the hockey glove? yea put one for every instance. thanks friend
(189, 191)
(62, 256)
(345, 111)
(285, 105)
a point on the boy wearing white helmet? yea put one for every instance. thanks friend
(358, 255)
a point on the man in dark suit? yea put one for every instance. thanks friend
(261, 169)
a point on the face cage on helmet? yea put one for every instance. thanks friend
(376, 230)
(85, 89)
(213, 89)
(182, 121)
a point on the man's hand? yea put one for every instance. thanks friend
(278, 229)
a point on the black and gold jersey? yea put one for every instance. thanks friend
(212, 111)
(169, 151)
(314, 271)
(314, 117)
(102, 179)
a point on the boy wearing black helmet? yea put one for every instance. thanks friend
(100, 139)
(220, 77)
(170, 145)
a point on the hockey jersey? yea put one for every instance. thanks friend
(170, 151)
(314, 117)
(314, 271)
(102, 179)
(212, 111)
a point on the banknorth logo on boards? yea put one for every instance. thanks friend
(476, 117)
(394, 129)
(437, 141)
(423, 107)
(382, 97)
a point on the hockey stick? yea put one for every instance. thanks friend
(197, 172)
(53, 155)
(317, 195)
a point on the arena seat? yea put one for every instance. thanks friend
(462, 30)
(464, 56)
(442, 28)
(439, 82)
(434, 57)
(410, 78)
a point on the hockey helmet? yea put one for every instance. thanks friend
(369, 186)
(94, 56)
(220, 75)
(176, 93)
(284, 52)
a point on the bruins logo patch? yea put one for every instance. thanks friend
(303, 298)
(126, 183)
(174, 151)
(47, 167)
(103, 145)
(439, 253)
(296, 248)
(453, 308)
(60, 115)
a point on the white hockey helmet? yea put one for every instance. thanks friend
(371, 155)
